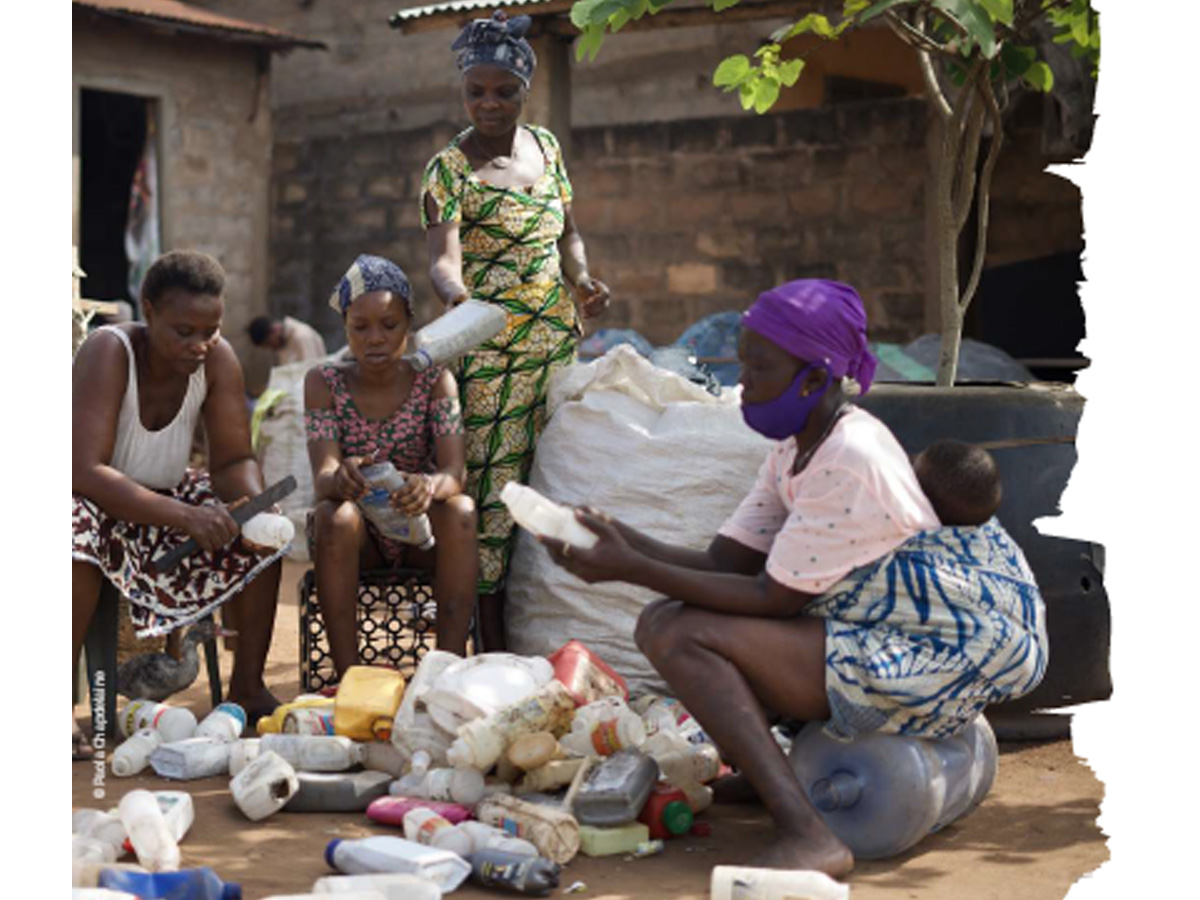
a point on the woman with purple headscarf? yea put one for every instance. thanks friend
(832, 593)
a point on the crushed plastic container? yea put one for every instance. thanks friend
(225, 723)
(188, 884)
(745, 883)
(456, 332)
(173, 723)
(198, 757)
(615, 790)
(585, 674)
(376, 504)
(552, 830)
(264, 787)
(597, 841)
(155, 845)
(481, 685)
(881, 793)
(384, 854)
(337, 791)
(389, 886)
(366, 702)
(314, 752)
(545, 518)
(481, 742)
(133, 755)
(603, 727)
(519, 874)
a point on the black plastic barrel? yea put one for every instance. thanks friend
(1037, 425)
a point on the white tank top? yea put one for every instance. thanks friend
(155, 459)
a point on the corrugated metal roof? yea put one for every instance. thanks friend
(173, 12)
(453, 7)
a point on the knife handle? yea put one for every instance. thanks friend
(175, 555)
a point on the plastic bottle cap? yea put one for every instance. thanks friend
(677, 817)
(329, 853)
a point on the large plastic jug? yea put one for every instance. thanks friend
(603, 727)
(481, 742)
(882, 793)
(366, 703)
(173, 723)
(745, 883)
(456, 332)
(263, 787)
(192, 884)
(382, 481)
(615, 790)
(543, 517)
(585, 674)
(337, 791)
(381, 854)
(314, 752)
(243, 752)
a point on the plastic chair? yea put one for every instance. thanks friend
(100, 648)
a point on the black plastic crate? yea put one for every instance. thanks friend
(397, 618)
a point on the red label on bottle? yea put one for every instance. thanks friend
(605, 738)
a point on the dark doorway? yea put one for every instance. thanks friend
(112, 137)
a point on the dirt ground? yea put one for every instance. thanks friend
(1033, 837)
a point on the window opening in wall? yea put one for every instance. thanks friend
(119, 185)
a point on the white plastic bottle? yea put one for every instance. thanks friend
(383, 481)
(489, 837)
(178, 810)
(603, 727)
(191, 759)
(173, 723)
(314, 752)
(460, 785)
(383, 854)
(133, 755)
(745, 883)
(481, 742)
(392, 886)
(459, 330)
(155, 846)
(263, 787)
(224, 723)
(543, 517)
(426, 827)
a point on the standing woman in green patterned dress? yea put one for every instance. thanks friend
(496, 204)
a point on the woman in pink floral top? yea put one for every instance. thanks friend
(375, 408)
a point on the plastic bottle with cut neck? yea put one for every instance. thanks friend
(881, 793)
(314, 752)
(382, 481)
(390, 886)
(615, 790)
(511, 872)
(603, 727)
(153, 842)
(585, 674)
(545, 518)
(264, 787)
(173, 723)
(456, 332)
(745, 883)
(481, 742)
(194, 884)
(133, 755)
(337, 791)
(382, 854)
(224, 723)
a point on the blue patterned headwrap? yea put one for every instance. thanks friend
(498, 41)
(371, 273)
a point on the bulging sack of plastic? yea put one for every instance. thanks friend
(201, 757)
(617, 408)
(264, 787)
(603, 727)
(479, 686)
(314, 752)
(481, 742)
(456, 332)
(745, 883)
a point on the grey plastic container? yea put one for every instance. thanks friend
(338, 791)
(615, 790)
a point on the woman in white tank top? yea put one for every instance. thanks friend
(139, 390)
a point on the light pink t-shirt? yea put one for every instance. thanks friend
(856, 500)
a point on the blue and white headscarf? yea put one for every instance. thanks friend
(498, 41)
(371, 273)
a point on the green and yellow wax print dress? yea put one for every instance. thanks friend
(509, 239)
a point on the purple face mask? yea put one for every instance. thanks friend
(788, 413)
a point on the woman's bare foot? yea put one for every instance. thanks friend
(820, 851)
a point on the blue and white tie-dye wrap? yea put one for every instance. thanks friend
(919, 641)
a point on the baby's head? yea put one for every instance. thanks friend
(961, 481)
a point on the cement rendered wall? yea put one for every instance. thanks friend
(214, 148)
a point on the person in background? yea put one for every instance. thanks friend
(497, 207)
(290, 339)
(832, 593)
(138, 393)
(374, 407)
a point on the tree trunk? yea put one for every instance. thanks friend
(946, 243)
